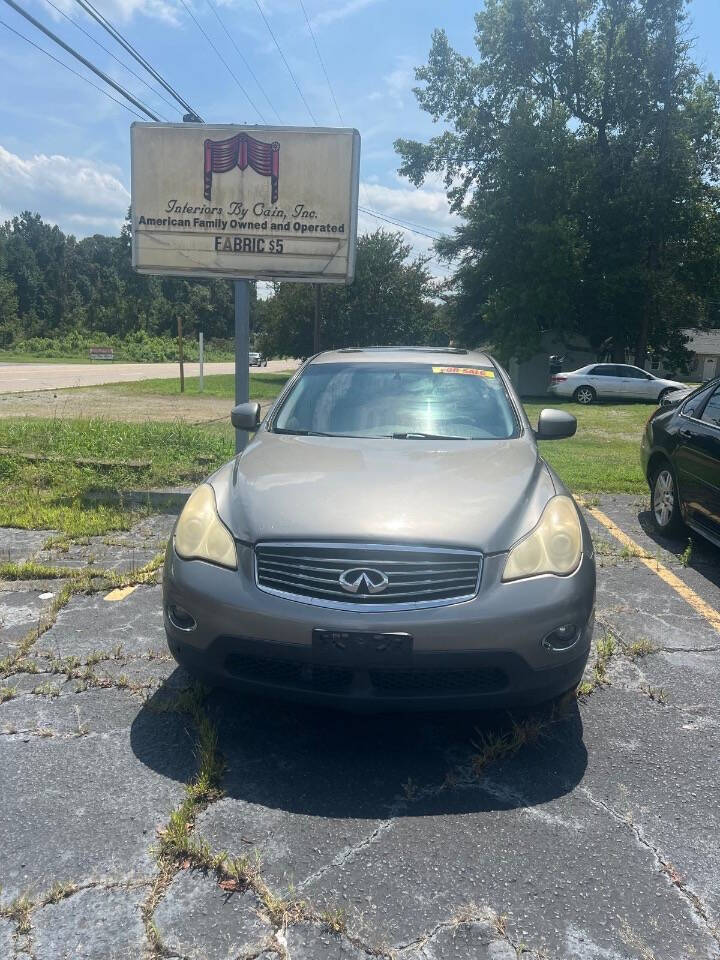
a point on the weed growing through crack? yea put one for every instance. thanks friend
(604, 652)
(19, 913)
(639, 648)
(46, 690)
(334, 919)
(657, 694)
(7, 693)
(492, 747)
(686, 555)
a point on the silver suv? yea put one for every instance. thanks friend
(390, 538)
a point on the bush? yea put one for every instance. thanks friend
(138, 347)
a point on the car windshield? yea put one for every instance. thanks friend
(404, 401)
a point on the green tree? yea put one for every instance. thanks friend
(582, 154)
(389, 302)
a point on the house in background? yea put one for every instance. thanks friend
(532, 377)
(705, 345)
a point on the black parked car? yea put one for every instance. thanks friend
(681, 460)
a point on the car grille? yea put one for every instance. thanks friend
(301, 675)
(310, 573)
(478, 680)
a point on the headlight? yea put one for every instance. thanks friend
(554, 546)
(200, 534)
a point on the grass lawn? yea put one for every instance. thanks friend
(83, 499)
(263, 386)
(604, 454)
(58, 493)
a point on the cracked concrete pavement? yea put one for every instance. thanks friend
(359, 836)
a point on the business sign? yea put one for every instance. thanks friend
(245, 202)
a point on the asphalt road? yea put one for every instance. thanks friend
(393, 837)
(27, 377)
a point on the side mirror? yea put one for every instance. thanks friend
(555, 424)
(245, 416)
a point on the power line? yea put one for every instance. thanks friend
(75, 72)
(402, 220)
(322, 62)
(111, 54)
(119, 38)
(222, 60)
(399, 223)
(242, 57)
(82, 59)
(287, 65)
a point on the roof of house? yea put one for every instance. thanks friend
(704, 341)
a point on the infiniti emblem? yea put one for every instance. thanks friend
(363, 580)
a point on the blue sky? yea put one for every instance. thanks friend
(64, 148)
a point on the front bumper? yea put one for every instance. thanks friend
(486, 652)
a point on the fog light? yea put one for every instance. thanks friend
(562, 638)
(180, 618)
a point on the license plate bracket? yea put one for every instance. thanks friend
(361, 647)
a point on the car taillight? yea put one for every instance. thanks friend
(557, 378)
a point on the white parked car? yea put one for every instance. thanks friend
(257, 359)
(600, 381)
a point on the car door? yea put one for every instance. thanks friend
(631, 383)
(601, 378)
(697, 459)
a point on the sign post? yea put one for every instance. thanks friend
(242, 348)
(201, 357)
(245, 203)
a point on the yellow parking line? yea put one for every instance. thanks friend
(120, 593)
(697, 603)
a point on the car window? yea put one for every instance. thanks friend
(398, 400)
(604, 370)
(711, 413)
(633, 373)
(695, 402)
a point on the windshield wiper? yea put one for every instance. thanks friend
(425, 436)
(307, 433)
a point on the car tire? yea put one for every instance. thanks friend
(665, 502)
(663, 394)
(585, 395)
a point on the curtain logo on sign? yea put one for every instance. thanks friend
(242, 151)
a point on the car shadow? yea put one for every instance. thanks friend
(323, 763)
(704, 557)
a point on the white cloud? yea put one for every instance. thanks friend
(125, 10)
(424, 211)
(337, 12)
(79, 195)
(397, 84)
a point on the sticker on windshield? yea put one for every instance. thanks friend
(467, 371)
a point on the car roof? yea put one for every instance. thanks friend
(447, 356)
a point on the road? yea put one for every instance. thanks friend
(27, 377)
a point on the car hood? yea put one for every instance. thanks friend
(481, 494)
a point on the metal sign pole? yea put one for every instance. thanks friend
(242, 357)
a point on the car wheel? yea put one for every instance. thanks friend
(663, 395)
(585, 395)
(664, 502)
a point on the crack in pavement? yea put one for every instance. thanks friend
(698, 908)
(348, 853)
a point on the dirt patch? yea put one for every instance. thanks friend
(112, 405)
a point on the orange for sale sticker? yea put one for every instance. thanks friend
(468, 371)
